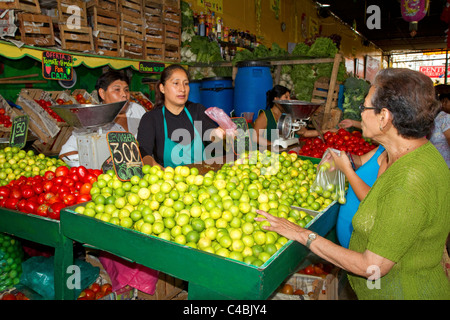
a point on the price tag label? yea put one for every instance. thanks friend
(125, 155)
(19, 132)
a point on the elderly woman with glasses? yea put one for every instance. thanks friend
(402, 224)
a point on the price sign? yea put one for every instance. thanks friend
(19, 132)
(151, 67)
(125, 155)
(57, 66)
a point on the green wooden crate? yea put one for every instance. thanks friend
(43, 231)
(210, 276)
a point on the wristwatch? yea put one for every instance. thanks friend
(311, 237)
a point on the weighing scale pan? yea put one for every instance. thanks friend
(298, 109)
(89, 115)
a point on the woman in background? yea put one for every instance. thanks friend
(112, 86)
(267, 120)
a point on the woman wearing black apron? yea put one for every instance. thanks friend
(174, 133)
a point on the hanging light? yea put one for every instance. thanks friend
(413, 11)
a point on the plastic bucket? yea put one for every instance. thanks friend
(218, 92)
(194, 91)
(253, 80)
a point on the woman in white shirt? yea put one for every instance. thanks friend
(112, 86)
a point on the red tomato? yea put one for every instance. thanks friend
(55, 209)
(95, 287)
(68, 182)
(11, 203)
(42, 210)
(21, 205)
(86, 188)
(27, 192)
(4, 191)
(69, 199)
(31, 207)
(106, 288)
(49, 175)
(342, 132)
(9, 296)
(61, 171)
(83, 198)
(47, 185)
(90, 295)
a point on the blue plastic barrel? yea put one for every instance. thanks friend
(194, 91)
(218, 92)
(253, 80)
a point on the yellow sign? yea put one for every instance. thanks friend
(213, 5)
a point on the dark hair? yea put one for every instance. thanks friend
(443, 96)
(166, 74)
(109, 77)
(276, 92)
(410, 96)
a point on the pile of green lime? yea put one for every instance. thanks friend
(11, 257)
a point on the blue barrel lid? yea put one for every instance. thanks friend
(217, 78)
(252, 63)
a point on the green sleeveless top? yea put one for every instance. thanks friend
(405, 218)
(271, 124)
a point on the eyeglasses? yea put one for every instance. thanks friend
(362, 107)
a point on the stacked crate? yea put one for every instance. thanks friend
(36, 29)
(163, 30)
(104, 19)
(74, 32)
(154, 31)
(132, 29)
(25, 15)
(172, 30)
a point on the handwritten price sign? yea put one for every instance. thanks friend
(19, 132)
(57, 66)
(125, 155)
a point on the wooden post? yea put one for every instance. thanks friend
(334, 72)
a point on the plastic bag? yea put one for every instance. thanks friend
(329, 182)
(222, 119)
(122, 273)
(38, 274)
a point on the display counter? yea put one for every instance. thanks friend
(43, 231)
(209, 276)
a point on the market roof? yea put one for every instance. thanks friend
(394, 34)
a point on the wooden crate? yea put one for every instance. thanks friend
(154, 51)
(153, 11)
(172, 53)
(36, 29)
(154, 32)
(66, 15)
(107, 44)
(172, 36)
(102, 20)
(86, 95)
(41, 124)
(320, 92)
(132, 48)
(167, 288)
(132, 27)
(131, 8)
(110, 5)
(22, 5)
(172, 3)
(172, 16)
(53, 146)
(76, 39)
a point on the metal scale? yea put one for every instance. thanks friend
(91, 123)
(295, 116)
